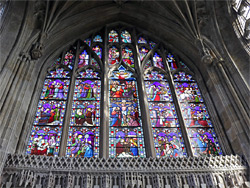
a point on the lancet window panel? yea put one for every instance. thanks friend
(200, 129)
(77, 94)
(45, 137)
(126, 134)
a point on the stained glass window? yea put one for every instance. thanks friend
(142, 40)
(125, 134)
(83, 139)
(171, 62)
(47, 128)
(168, 139)
(128, 57)
(83, 59)
(113, 55)
(178, 115)
(113, 36)
(197, 120)
(126, 37)
(97, 38)
(143, 52)
(157, 60)
(98, 50)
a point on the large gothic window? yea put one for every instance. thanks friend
(98, 91)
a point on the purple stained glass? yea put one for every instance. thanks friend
(98, 50)
(183, 65)
(183, 77)
(97, 38)
(55, 89)
(143, 52)
(158, 91)
(83, 59)
(113, 55)
(128, 57)
(87, 89)
(171, 62)
(142, 40)
(157, 61)
(83, 142)
(113, 36)
(169, 143)
(126, 37)
(44, 140)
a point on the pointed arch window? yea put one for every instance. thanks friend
(118, 96)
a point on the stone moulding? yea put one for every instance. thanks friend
(43, 171)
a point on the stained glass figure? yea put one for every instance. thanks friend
(157, 60)
(44, 140)
(125, 36)
(152, 44)
(113, 55)
(128, 57)
(97, 38)
(88, 41)
(142, 40)
(83, 59)
(196, 118)
(113, 36)
(126, 136)
(94, 63)
(98, 50)
(83, 142)
(48, 123)
(143, 52)
(83, 139)
(171, 62)
(69, 59)
(166, 129)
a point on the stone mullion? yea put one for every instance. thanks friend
(69, 102)
(104, 110)
(145, 115)
(178, 108)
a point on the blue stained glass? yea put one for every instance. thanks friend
(152, 44)
(59, 73)
(97, 38)
(126, 37)
(94, 63)
(69, 59)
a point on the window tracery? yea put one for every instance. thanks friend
(178, 116)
